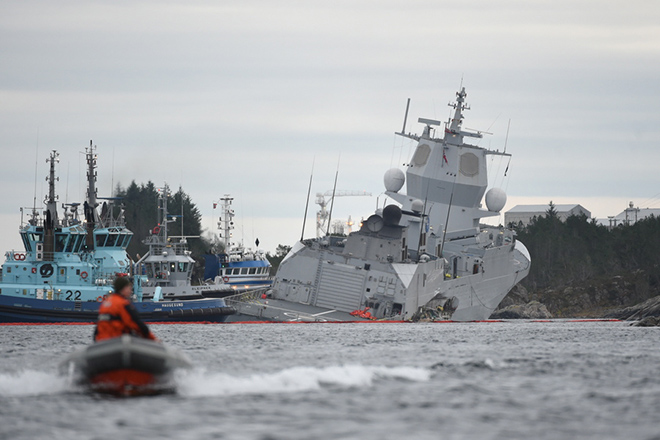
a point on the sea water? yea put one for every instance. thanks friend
(502, 380)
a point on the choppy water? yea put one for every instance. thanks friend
(353, 381)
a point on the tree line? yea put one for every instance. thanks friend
(140, 202)
(566, 253)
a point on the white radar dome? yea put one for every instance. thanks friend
(417, 206)
(394, 179)
(495, 199)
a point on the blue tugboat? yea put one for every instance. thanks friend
(241, 268)
(68, 265)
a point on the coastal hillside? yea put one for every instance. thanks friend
(582, 269)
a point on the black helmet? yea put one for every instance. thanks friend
(120, 283)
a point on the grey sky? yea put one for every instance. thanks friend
(241, 97)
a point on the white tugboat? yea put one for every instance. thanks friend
(428, 259)
(168, 264)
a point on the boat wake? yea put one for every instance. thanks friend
(33, 383)
(200, 383)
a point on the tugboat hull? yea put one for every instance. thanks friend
(36, 311)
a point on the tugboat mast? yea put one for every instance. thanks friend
(91, 216)
(50, 222)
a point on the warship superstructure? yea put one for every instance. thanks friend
(426, 257)
(68, 264)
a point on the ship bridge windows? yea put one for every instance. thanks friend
(183, 267)
(35, 236)
(244, 271)
(100, 239)
(60, 242)
(253, 270)
(71, 244)
(80, 241)
(124, 244)
(26, 242)
(112, 240)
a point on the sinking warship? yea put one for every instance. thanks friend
(427, 257)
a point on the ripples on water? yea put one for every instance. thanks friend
(353, 381)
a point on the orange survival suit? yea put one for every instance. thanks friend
(117, 317)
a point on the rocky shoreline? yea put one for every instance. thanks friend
(609, 298)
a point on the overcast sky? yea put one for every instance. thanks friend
(241, 97)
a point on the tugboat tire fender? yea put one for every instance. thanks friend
(46, 270)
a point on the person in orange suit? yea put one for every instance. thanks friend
(117, 315)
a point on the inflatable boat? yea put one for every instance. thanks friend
(125, 366)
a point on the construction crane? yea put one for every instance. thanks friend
(322, 199)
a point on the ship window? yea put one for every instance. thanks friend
(26, 242)
(80, 241)
(100, 240)
(172, 267)
(183, 267)
(112, 240)
(127, 240)
(70, 243)
(253, 270)
(34, 236)
(60, 242)
(244, 271)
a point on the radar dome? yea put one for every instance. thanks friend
(495, 199)
(391, 215)
(394, 179)
(417, 206)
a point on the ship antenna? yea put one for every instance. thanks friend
(405, 117)
(332, 201)
(444, 233)
(309, 189)
(506, 139)
(36, 160)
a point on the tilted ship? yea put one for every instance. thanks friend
(68, 265)
(429, 258)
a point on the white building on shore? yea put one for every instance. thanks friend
(630, 216)
(522, 215)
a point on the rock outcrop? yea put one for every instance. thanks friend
(649, 308)
(649, 321)
(531, 310)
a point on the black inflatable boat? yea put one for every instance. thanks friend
(125, 366)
